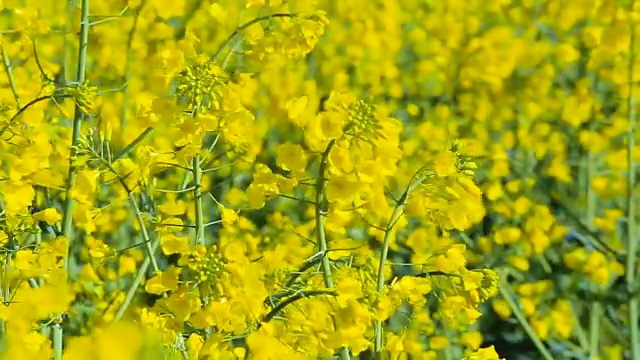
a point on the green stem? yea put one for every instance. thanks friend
(506, 293)
(243, 27)
(319, 215)
(320, 233)
(182, 31)
(290, 300)
(134, 204)
(127, 149)
(595, 316)
(632, 242)
(148, 260)
(142, 270)
(127, 64)
(185, 180)
(595, 313)
(145, 234)
(197, 194)
(395, 216)
(580, 332)
(6, 295)
(71, 5)
(57, 342)
(67, 213)
(12, 83)
(27, 106)
(397, 212)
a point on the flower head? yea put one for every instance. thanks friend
(201, 84)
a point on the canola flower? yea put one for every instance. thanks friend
(317, 179)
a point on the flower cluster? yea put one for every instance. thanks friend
(312, 179)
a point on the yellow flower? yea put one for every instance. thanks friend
(127, 265)
(194, 344)
(501, 307)
(438, 343)
(124, 340)
(174, 244)
(255, 3)
(229, 217)
(163, 281)
(445, 163)
(291, 157)
(613, 352)
(566, 54)
(471, 339)
(296, 108)
(50, 215)
(541, 327)
(17, 197)
(518, 262)
(342, 189)
(488, 353)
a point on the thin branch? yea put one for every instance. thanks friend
(175, 165)
(127, 63)
(398, 210)
(127, 149)
(217, 168)
(77, 124)
(142, 270)
(310, 262)
(632, 241)
(320, 233)
(197, 194)
(35, 54)
(176, 191)
(296, 199)
(290, 300)
(508, 296)
(215, 222)
(243, 27)
(7, 69)
(27, 106)
(182, 31)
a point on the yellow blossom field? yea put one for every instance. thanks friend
(319, 179)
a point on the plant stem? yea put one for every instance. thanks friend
(145, 234)
(632, 242)
(595, 312)
(182, 30)
(290, 300)
(127, 149)
(6, 290)
(127, 64)
(579, 331)
(505, 291)
(320, 233)
(78, 117)
(243, 27)
(397, 212)
(149, 259)
(134, 204)
(142, 270)
(197, 194)
(71, 5)
(57, 342)
(12, 83)
(395, 216)
(319, 214)
(595, 316)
